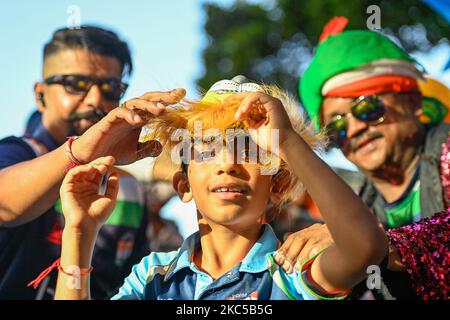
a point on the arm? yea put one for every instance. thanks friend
(33, 185)
(359, 242)
(303, 245)
(84, 211)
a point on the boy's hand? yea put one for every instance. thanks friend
(85, 210)
(267, 116)
(117, 134)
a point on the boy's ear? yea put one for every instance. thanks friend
(279, 186)
(181, 185)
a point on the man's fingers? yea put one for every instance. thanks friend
(136, 112)
(294, 251)
(120, 114)
(280, 254)
(145, 109)
(311, 249)
(304, 255)
(166, 98)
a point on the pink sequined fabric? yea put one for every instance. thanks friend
(425, 246)
(445, 172)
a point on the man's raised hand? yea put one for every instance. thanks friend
(117, 134)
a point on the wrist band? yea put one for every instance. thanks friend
(73, 161)
(84, 272)
(57, 264)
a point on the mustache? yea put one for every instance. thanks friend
(91, 114)
(369, 135)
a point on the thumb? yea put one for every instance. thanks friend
(112, 187)
(152, 148)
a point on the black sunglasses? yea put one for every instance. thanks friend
(369, 109)
(112, 89)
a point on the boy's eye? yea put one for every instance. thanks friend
(208, 154)
(249, 155)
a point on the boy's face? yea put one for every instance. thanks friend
(230, 194)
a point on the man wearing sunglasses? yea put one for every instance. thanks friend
(78, 96)
(362, 90)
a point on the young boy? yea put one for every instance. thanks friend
(230, 257)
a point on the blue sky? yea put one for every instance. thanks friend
(165, 37)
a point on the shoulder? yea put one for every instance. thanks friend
(438, 133)
(435, 136)
(154, 263)
(161, 258)
(14, 150)
(143, 273)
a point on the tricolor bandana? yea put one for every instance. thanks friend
(383, 75)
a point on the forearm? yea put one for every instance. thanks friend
(31, 188)
(358, 239)
(76, 255)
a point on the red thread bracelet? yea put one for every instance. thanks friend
(57, 264)
(82, 272)
(73, 161)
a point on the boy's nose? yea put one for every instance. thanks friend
(228, 168)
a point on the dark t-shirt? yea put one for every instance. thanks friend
(27, 250)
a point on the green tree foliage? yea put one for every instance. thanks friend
(274, 41)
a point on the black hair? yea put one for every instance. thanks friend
(93, 39)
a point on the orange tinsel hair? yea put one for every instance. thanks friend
(220, 115)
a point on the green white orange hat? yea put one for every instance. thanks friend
(355, 63)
